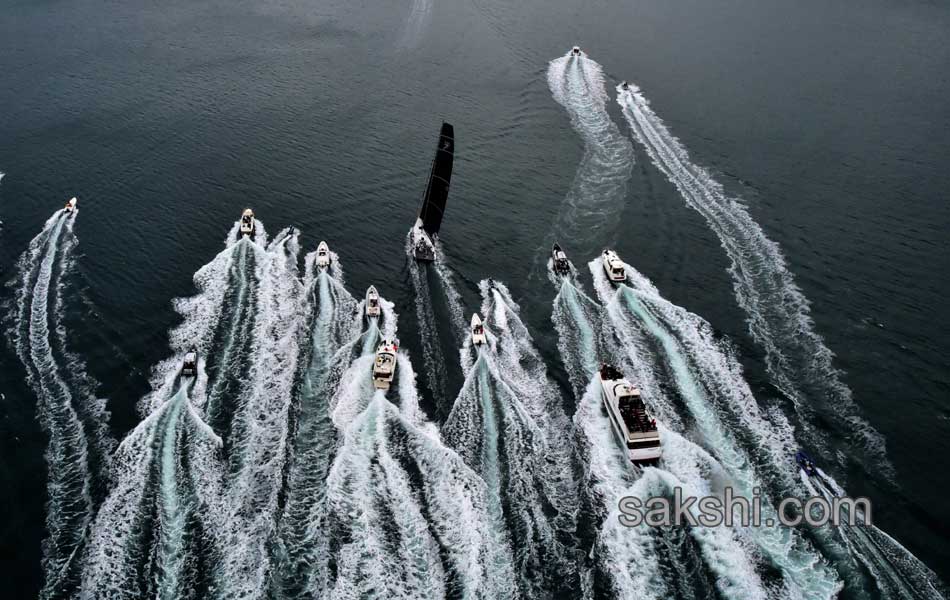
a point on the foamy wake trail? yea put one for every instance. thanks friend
(259, 433)
(79, 452)
(778, 313)
(644, 563)
(508, 424)
(406, 518)
(162, 518)
(595, 201)
(896, 572)
(577, 320)
(724, 414)
(334, 321)
(416, 21)
(430, 333)
(203, 315)
(632, 562)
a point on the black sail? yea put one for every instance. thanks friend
(437, 190)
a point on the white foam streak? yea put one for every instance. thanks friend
(79, 448)
(711, 385)
(260, 435)
(778, 313)
(596, 197)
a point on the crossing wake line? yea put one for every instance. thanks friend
(509, 426)
(592, 207)
(798, 361)
(78, 454)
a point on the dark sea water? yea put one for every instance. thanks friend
(830, 121)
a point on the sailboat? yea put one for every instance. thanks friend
(425, 231)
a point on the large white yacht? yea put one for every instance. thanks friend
(634, 427)
(384, 367)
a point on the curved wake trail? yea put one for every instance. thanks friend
(334, 320)
(259, 432)
(78, 454)
(896, 572)
(778, 314)
(158, 526)
(724, 414)
(406, 518)
(509, 426)
(430, 334)
(593, 205)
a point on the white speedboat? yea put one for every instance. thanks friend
(425, 231)
(559, 261)
(613, 266)
(372, 302)
(576, 51)
(384, 367)
(323, 255)
(634, 427)
(478, 331)
(247, 222)
(70, 206)
(189, 366)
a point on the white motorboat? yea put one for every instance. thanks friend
(189, 366)
(634, 427)
(323, 255)
(70, 206)
(247, 222)
(559, 261)
(613, 266)
(478, 331)
(372, 302)
(576, 51)
(384, 367)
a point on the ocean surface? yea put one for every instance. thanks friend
(775, 177)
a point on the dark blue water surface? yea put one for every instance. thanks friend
(830, 120)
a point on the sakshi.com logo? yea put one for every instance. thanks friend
(731, 509)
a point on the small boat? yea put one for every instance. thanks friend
(372, 302)
(561, 265)
(247, 222)
(189, 366)
(425, 231)
(806, 463)
(576, 51)
(634, 427)
(384, 367)
(624, 85)
(478, 331)
(613, 266)
(323, 255)
(70, 206)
